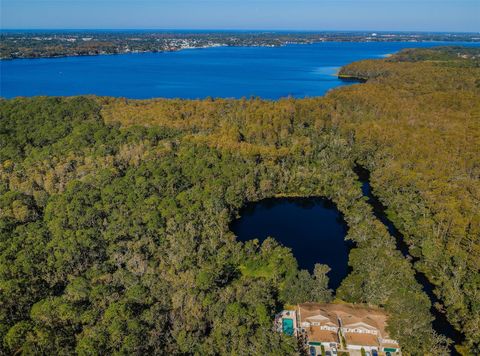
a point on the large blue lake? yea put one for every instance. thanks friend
(271, 73)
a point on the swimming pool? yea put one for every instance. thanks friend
(287, 326)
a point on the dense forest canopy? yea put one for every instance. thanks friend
(114, 213)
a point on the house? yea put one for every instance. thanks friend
(319, 325)
(360, 327)
(364, 327)
(345, 327)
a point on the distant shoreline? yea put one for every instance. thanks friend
(35, 44)
(110, 54)
(446, 43)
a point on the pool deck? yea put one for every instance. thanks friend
(286, 314)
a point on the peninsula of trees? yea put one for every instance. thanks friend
(114, 213)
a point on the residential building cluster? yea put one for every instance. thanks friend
(330, 329)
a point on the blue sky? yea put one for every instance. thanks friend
(415, 15)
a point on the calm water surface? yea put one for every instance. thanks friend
(312, 227)
(271, 73)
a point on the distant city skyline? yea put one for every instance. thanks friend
(306, 15)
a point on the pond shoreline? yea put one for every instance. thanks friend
(312, 227)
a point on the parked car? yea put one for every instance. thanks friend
(328, 353)
(334, 351)
(374, 353)
(313, 352)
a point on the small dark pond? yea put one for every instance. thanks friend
(312, 227)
